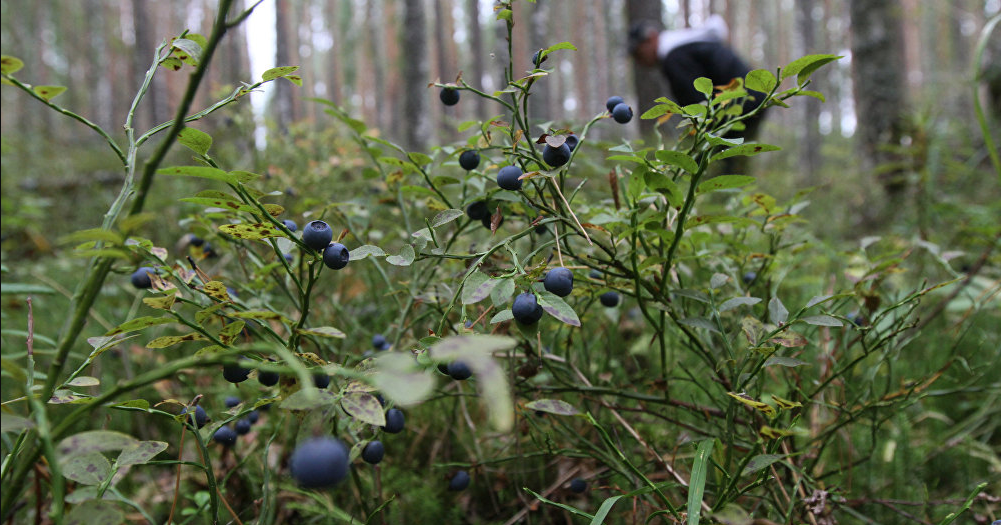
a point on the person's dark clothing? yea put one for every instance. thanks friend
(715, 61)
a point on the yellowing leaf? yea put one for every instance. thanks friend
(765, 408)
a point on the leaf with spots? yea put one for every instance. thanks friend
(264, 315)
(323, 331)
(364, 251)
(89, 469)
(223, 203)
(140, 453)
(93, 441)
(552, 406)
(229, 333)
(278, 72)
(405, 258)
(14, 423)
(48, 92)
(140, 323)
(84, 381)
(195, 139)
(251, 231)
(762, 407)
(171, 340)
(308, 399)
(761, 461)
(555, 306)
(364, 407)
(748, 150)
(725, 182)
(10, 65)
(217, 290)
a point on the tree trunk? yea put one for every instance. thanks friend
(283, 89)
(880, 90)
(647, 81)
(810, 145)
(416, 127)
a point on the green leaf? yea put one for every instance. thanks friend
(477, 288)
(744, 149)
(761, 461)
(790, 362)
(419, 159)
(14, 423)
(822, 320)
(251, 231)
(92, 234)
(730, 304)
(264, 315)
(760, 80)
(140, 453)
(677, 158)
(724, 182)
(243, 176)
(555, 306)
(477, 352)
(140, 323)
(718, 280)
(364, 251)
(803, 67)
(697, 484)
(295, 79)
(195, 139)
(364, 407)
(229, 333)
(815, 94)
(94, 511)
(703, 85)
(93, 441)
(699, 322)
(48, 92)
(405, 258)
(552, 406)
(190, 48)
(308, 399)
(502, 293)
(323, 331)
(171, 340)
(501, 316)
(84, 381)
(561, 45)
(9, 64)
(204, 172)
(701, 220)
(278, 72)
(445, 217)
(777, 311)
(401, 379)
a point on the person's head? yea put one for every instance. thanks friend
(643, 42)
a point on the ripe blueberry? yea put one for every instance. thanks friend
(321, 380)
(572, 141)
(378, 341)
(336, 256)
(508, 178)
(541, 229)
(317, 235)
(200, 416)
(253, 416)
(140, 278)
(578, 486)
(225, 436)
(459, 481)
(242, 426)
(749, 277)
(622, 113)
(538, 58)
(267, 378)
(232, 401)
(449, 96)
(291, 225)
(373, 452)
(443, 368)
(478, 210)
(469, 159)
(613, 101)
(235, 373)
(556, 157)
(196, 241)
(208, 251)
(526, 308)
(610, 299)
(394, 421)
(319, 462)
(459, 370)
(559, 281)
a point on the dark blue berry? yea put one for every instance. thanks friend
(317, 235)
(395, 421)
(559, 281)
(508, 178)
(140, 278)
(373, 452)
(459, 481)
(225, 436)
(319, 462)
(336, 256)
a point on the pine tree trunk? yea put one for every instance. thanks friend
(415, 124)
(647, 81)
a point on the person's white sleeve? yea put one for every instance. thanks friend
(716, 26)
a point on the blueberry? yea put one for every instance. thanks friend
(449, 96)
(253, 416)
(613, 101)
(232, 401)
(478, 210)
(459, 481)
(556, 157)
(469, 159)
(594, 274)
(443, 368)
(267, 378)
(622, 113)
(507, 178)
(459, 370)
(538, 58)
(319, 462)
(394, 421)
(208, 251)
(541, 229)
(225, 436)
(317, 235)
(196, 241)
(140, 278)
(200, 416)
(572, 141)
(578, 486)
(559, 281)
(378, 340)
(382, 400)
(264, 408)
(526, 308)
(289, 257)
(242, 426)
(384, 346)
(235, 373)
(373, 452)
(610, 299)
(336, 256)
(321, 380)
(749, 277)
(857, 318)
(291, 225)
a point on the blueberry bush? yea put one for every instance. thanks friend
(525, 326)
